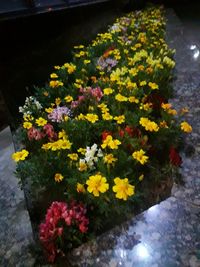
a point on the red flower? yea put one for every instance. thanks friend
(105, 134)
(49, 230)
(174, 157)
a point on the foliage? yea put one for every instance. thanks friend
(102, 129)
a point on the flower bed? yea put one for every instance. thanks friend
(100, 137)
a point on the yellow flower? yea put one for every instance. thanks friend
(111, 143)
(140, 156)
(82, 150)
(68, 98)
(141, 177)
(146, 106)
(55, 84)
(143, 83)
(27, 125)
(133, 71)
(57, 101)
(20, 155)
(107, 91)
(82, 165)
(53, 75)
(107, 116)
(86, 61)
(122, 188)
(97, 184)
(172, 111)
(163, 124)
(91, 117)
(133, 99)
(149, 125)
(130, 85)
(80, 188)
(121, 98)
(62, 134)
(73, 156)
(58, 177)
(70, 67)
(41, 121)
(28, 117)
(109, 159)
(119, 119)
(153, 86)
(166, 106)
(56, 67)
(186, 127)
(46, 146)
(64, 144)
(48, 110)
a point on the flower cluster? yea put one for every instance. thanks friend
(51, 231)
(105, 129)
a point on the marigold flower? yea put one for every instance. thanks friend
(140, 156)
(107, 91)
(122, 188)
(133, 99)
(186, 127)
(91, 117)
(48, 110)
(153, 86)
(110, 142)
(58, 177)
(53, 75)
(121, 98)
(41, 121)
(149, 125)
(119, 119)
(109, 159)
(27, 125)
(143, 83)
(82, 165)
(81, 150)
(97, 184)
(70, 67)
(55, 84)
(80, 188)
(73, 156)
(68, 98)
(106, 116)
(20, 155)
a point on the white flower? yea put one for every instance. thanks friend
(92, 154)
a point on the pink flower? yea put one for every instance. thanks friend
(49, 230)
(49, 131)
(97, 93)
(35, 134)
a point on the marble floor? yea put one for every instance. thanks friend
(15, 227)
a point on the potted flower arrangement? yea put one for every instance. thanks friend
(100, 138)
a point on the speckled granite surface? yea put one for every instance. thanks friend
(15, 226)
(168, 234)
